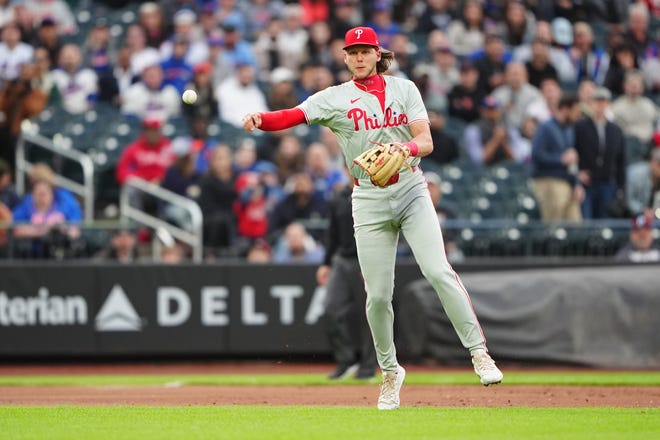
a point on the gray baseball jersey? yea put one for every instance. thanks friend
(356, 118)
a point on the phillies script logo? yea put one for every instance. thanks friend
(362, 120)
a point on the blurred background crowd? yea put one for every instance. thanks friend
(544, 115)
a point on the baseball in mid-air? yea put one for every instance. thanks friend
(189, 96)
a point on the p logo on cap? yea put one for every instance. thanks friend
(361, 35)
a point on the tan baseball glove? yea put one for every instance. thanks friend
(382, 161)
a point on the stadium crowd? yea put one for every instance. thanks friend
(563, 93)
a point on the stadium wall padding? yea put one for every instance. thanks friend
(598, 316)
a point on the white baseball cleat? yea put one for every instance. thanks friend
(485, 368)
(389, 389)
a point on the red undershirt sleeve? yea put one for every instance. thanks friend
(282, 119)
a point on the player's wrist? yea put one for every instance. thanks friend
(413, 148)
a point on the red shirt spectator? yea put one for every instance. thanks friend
(148, 157)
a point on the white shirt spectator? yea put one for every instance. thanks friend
(239, 95)
(13, 53)
(142, 102)
(77, 90)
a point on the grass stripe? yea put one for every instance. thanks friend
(321, 423)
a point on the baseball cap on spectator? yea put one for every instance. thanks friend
(562, 31)
(47, 21)
(152, 123)
(231, 24)
(602, 93)
(280, 74)
(642, 221)
(203, 67)
(490, 102)
(184, 16)
(265, 167)
(361, 36)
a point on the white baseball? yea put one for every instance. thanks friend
(189, 96)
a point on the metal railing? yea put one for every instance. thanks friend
(23, 166)
(129, 212)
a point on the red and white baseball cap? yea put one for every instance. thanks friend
(361, 35)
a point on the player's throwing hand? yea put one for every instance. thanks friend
(251, 121)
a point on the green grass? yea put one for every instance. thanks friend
(440, 378)
(296, 422)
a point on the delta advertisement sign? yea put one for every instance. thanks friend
(160, 310)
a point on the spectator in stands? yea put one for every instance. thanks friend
(19, 100)
(182, 178)
(539, 66)
(147, 158)
(13, 52)
(151, 97)
(216, 200)
(77, 86)
(486, 140)
(435, 14)
(640, 247)
(266, 49)
(293, 37)
(98, 54)
(636, 114)
(491, 64)
(543, 109)
(405, 60)
(282, 93)
(518, 25)
(250, 209)
(447, 149)
(623, 61)
(142, 55)
(346, 15)
(48, 36)
(466, 34)
(555, 164)
(239, 94)
(121, 249)
(383, 23)
(150, 17)
(297, 246)
(289, 158)
(235, 50)
(465, 97)
(327, 180)
(172, 254)
(557, 55)
(301, 204)
(521, 139)
(176, 70)
(56, 11)
(26, 23)
(186, 28)
(258, 15)
(319, 48)
(601, 148)
(122, 73)
(438, 78)
(643, 185)
(206, 105)
(259, 252)
(638, 34)
(589, 61)
(516, 94)
(46, 225)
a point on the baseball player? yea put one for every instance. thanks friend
(372, 108)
